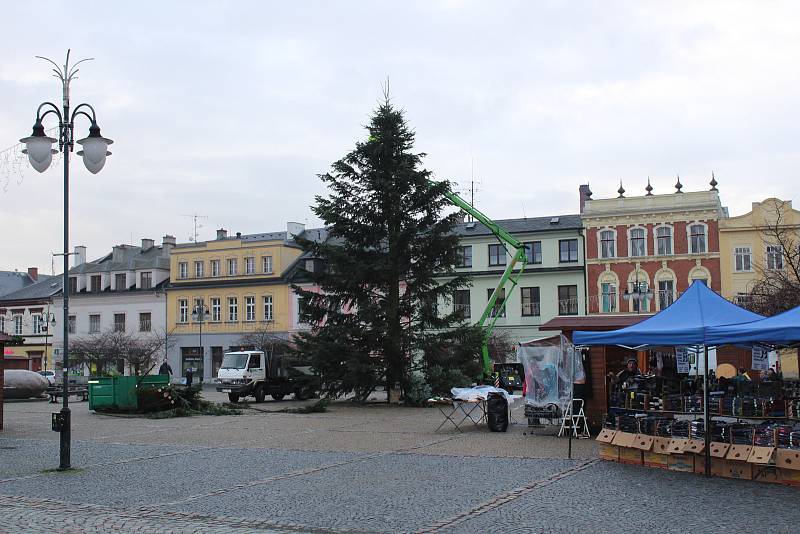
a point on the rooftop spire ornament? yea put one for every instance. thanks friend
(621, 190)
(679, 185)
(588, 192)
(649, 188)
(713, 182)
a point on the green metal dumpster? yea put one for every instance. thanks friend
(120, 391)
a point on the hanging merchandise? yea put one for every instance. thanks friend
(760, 358)
(552, 365)
(682, 359)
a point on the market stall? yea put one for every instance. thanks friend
(656, 414)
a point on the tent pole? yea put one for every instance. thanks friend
(706, 421)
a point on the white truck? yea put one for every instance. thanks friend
(253, 373)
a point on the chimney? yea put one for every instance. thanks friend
(222, 233)
(147, 244)
(118, 253)
(33, 272)
(585, 194)
(167, 244)
(80, 255)
(294, 229)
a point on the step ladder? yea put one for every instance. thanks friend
(574, 420)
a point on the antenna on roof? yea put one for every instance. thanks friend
(196, 225)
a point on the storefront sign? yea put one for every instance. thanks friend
(760, 358)
(682, 359)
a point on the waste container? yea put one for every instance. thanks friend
(497, 412)
(120, 392)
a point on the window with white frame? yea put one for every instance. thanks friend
(531, 303)
(249, 308)
(464, 256)
(638, 242)
(666, 293)
(697, 238)
(250, 265)
(267, 301)
(608, 297)
(607, 244)
(71, 324)
(145, 322)
(119, 322)
(461, 303)
(497, 255)
(2, 324)
(216, 309)
(233, 309)
(533, 252)
(198, 269)
(94, 323)
(664, 240)
(567, 250)
(146, 280)
(214, 267)
(183, 310)
(183, 269)
(266, 264)
(233, 267)
(18, 324)
(742, 259)
(774, 257)
(37, 323)
(499, 309)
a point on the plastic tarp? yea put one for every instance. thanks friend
(551, 365)
(479, 393)
(686, 322)
(781, 329)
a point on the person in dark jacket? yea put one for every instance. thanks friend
(165, 369)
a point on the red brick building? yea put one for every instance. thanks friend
(658, 244)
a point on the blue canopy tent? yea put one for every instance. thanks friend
(781, 329)
(687, 321)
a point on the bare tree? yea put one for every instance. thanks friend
(265, 339)
(501, 346)
(105, 349)
(777, 287)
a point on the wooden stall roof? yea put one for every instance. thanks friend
(570, 323)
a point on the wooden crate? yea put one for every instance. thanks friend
(787, 459)
(790, 477)
(661, 445)
(643, 442)
(606, 435)
(681, 462)
(609, 452)
(737, 469)
(623, 439)
(630, 456)
(677, 445)
(739, 453)
(655, 459)
(719, 450)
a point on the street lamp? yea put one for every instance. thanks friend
(38, 147)
(199, 315)
(638, 294)
(48, 319)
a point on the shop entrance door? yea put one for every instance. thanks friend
(192, 357)
(216, 360)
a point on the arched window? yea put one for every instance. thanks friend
(665, 288)
(701, 274)
(664, 240)
(608, 290)
(638, 286)
(608, 245)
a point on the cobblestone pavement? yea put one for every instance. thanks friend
(370, 469)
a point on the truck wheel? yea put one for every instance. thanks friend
(277, 396)
(233, 397)
(260, 393)
(300, 395)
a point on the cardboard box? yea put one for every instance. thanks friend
(677, 445)
(695, 446)
(719, 450)
(719, 467)
(766, 473)
(681, 462)
(657, 460)
(609, 452)
(790, 477)
(630, 456)
(761, 455)
(643, 442)
(737, 469)
(739, 453)
(661, 445)
(787, 459)
(700, 463)
(606, 435)
(623, 439)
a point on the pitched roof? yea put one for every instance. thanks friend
(11, 281)
(130, 258)
(521, 226)
(42, 289)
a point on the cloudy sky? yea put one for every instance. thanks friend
(230, 109)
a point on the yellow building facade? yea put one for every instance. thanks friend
(240, 284)
(748, 245)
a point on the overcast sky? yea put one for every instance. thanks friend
(230, 109)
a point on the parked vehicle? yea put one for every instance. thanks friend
(253, 373)
(50, 376)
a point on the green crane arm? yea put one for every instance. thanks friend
(509, 274)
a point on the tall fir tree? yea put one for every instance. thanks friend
(387, 263)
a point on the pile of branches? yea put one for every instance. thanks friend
(174, 401)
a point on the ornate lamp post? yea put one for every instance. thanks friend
(48, 320)
(38, 147)
(638, 294)
(199, 316)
